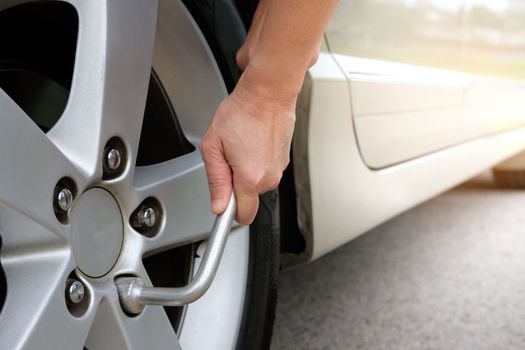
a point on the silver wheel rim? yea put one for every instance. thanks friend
(113, 62)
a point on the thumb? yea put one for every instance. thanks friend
(219, 175)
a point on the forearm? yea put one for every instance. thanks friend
(288, 40)
(258, 19)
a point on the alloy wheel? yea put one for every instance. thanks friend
(75, 209)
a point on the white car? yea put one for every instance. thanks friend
(103, 193)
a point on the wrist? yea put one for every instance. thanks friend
(269, 86)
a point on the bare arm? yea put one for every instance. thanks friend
(247, 143)
(289, 39)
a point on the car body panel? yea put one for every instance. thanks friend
(408, 99)
(339, 196)
(405, 110)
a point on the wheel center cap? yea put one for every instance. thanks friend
(97, 232)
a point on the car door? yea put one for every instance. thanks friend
(402, 60)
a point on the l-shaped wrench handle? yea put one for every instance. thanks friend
(134, 295)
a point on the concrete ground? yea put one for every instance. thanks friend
(449, 274)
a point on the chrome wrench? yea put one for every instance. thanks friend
(134, 295)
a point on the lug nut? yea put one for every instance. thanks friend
(147, 217)
(113, 159)
(75, 291)
(65, 199)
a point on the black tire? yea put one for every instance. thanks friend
(261, 293)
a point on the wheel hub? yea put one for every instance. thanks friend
(97, 232)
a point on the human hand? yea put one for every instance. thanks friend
(248, 140)
(247, 145)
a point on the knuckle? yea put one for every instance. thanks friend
(252, 185)
(270, 181)
(217, 181)
(260, 180)
(206, 147)
(274, 180)
(286, 161)
(253, 179)
(238, 57)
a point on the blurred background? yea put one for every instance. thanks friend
(478, 36)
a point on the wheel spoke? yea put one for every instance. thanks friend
(112, 329)
(110, 80)
(31, 166)
(182, 188)
(21, 236)
(35, 315)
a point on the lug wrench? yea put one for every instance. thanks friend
(134, 295)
